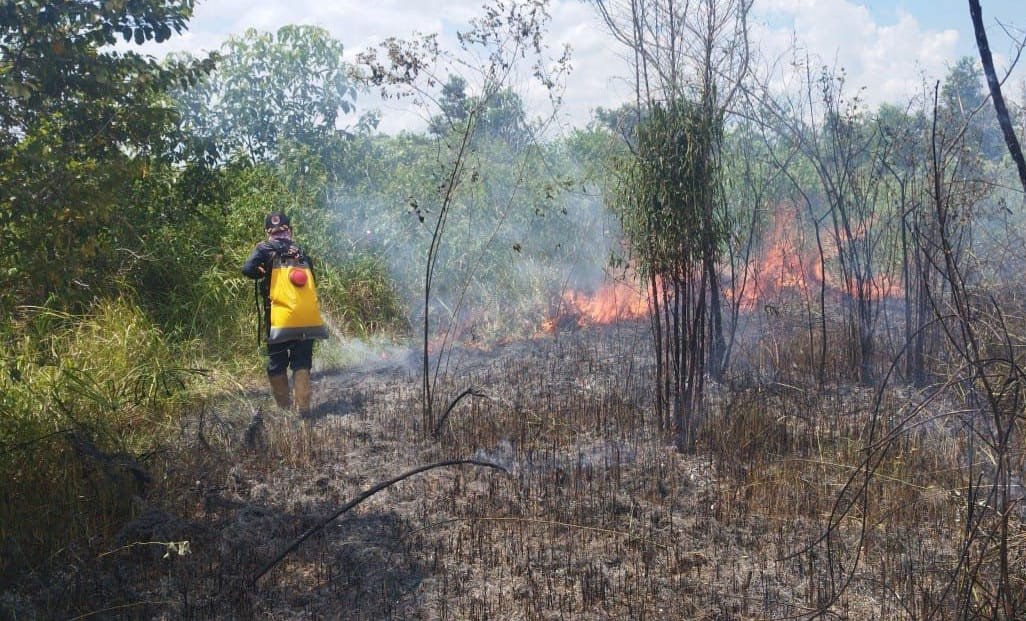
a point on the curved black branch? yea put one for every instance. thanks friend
(21, 446)
(364, 496)
(472, 392)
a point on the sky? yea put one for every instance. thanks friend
(887, 48)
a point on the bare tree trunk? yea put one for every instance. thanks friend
(689, 56)
(657, 334)
(993, 375)
(1011, 141)
(430, 380)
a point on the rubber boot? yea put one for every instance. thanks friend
(301, 379)
(280, 390)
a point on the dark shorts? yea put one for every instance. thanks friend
(295, 354)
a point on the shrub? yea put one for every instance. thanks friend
(83, 401)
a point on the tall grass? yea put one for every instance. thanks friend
(361, 297)
(83, 403)
(86, 399)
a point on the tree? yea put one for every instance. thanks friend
(454, 105)
(80, 122)
(904, 136)
(622, 121)
(965, 103)
(1011, 140)
(500, 116)
(271, 91)
(506, 36)
(665, 188)
(686, 55)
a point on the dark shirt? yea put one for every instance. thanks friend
(261, 261)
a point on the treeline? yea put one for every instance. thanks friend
(798, 240)
(125, 222)
(803, 224)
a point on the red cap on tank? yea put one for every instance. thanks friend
(297, 277)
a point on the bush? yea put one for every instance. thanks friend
(83, 401)
(359, 297)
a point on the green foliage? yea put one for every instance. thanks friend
(527, 219)
(454, 105)
(622, 121)
(79, 121)
(189, 278)
(82, 399)
(270, 91)
(966, 102)
(268, 122)
(668, 197)
(667, 188)
(500, 116)
(131, 226)
(359, 295)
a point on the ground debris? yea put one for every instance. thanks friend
(602, 518)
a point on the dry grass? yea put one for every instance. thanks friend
(599, 519)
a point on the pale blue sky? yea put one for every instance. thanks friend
(947, 14)
(886, 47)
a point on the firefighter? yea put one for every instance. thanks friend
(290, 312)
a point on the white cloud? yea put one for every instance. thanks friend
(593, 81)
(887, 61)
(597, 66)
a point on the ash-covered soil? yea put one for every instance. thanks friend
(598, 516)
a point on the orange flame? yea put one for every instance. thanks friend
(611, 302)
(784, 266)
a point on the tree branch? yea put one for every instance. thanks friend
(364, 496)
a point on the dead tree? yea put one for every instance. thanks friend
(991, 372)
(501, 41)
(849, 204)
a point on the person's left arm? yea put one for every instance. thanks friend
(259, 261)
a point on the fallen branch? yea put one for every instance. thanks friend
(473, 392)
(21, 446)
(364, 496)
(121, 607)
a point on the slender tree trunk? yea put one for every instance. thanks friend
(822, 305)
(1011, 141)
(911, 371)
(657, 334)
(717, 345)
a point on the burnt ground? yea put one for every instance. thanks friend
(597, 518)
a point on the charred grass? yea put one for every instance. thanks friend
(777, 515)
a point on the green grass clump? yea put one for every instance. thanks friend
(360, 296)
(83, 401)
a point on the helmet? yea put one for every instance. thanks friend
(276, 219)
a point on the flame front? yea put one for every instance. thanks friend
(780, 267)
(611, 302)
(786, 267)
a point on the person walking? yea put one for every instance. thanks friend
(290, 311)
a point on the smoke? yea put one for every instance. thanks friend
(515, 238)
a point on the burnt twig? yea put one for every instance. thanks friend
(473, 392)
(364, 496)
